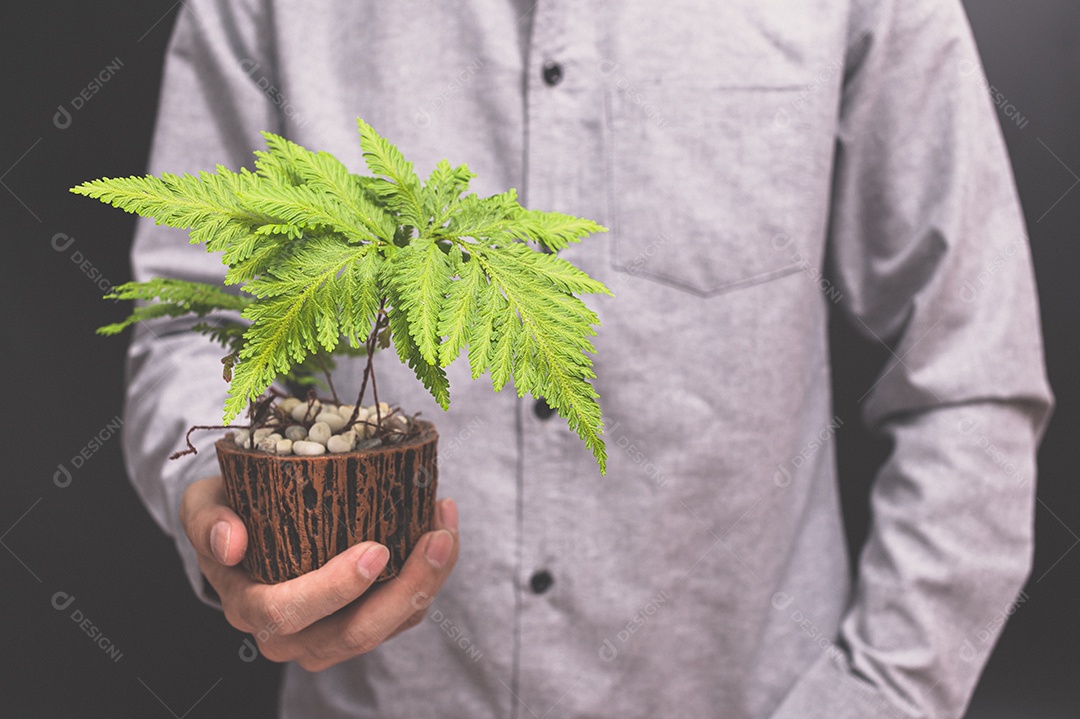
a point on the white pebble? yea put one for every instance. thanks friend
(340, 443)
(319, 432)
(241, 436)
(288, 404)
(301, 410)
(262, 433)
(296, 432)
(308, 449)
(359, 426)
(284, 446)
(267, 443)
(398, 427)
(368, 444)
(384, 410)
(333, 420)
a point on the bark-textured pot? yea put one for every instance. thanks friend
(301, 511)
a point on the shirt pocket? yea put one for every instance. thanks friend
(708, 188)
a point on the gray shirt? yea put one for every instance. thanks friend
(759, 163)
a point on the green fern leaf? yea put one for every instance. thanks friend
(505, 328)
(553, 230)
(362, 292)
(206, 204)
(483, 332)
(550, 340)
(431, 375)
(307, 208)
(421, 279)
(443, 190)
(323, 172)
(278, 163)
(484, 218)
(402, 193)
(171, 298)
(456, 321)
(551, 269)
(295, 315)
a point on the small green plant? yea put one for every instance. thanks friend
(333, 262)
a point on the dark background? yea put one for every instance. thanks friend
(93, 540)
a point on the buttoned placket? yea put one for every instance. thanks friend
(543, 433)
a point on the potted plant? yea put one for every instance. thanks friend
(332, 263)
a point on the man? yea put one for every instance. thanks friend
(758, 162)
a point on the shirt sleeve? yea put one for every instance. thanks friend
(215, 100)
(928, 245)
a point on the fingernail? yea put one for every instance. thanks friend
(372, 561)
(448, 518)
(439, 547)
(220, 535)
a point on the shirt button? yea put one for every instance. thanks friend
(542, 409)
(541, 581)
(553, 73)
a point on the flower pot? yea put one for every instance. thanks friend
(301, 511)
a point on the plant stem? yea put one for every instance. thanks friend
(369, 369)
(258, 412)
(312, 398)
(187, 438)
(326, 373)
(375, 395)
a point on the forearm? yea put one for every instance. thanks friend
(924, 205)
(174, 383)
(948, 551)
(211, 111)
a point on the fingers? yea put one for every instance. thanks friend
(213, 528)
(384, 611)
(315, 618)
(446, 515)
(290, 607)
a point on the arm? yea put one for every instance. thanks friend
(928, 245)
(212, 110)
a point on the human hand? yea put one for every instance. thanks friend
(327, 615)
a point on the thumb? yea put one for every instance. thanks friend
(214, 529)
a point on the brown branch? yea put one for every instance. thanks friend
(375, 396)
(187, 438)
(312, 398)
(259, 411)
(369, 369)
(326, 373)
